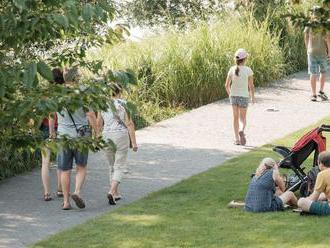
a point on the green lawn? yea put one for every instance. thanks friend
(193, 213)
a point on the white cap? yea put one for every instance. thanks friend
(241, 54)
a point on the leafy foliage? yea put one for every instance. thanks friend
(172, 12)
(36, 36)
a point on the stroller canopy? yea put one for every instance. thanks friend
(314, 135)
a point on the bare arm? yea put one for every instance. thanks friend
(51, 121)
(306, 39)
(328, 45)
(314, 196)
(227, 85)
(99, 123)
(92, 121)
(251, 89)
(278, 179)
(131, 131)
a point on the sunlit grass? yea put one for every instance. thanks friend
(194, 213)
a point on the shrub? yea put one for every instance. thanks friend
(189, 69)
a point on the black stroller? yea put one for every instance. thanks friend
(293, 159)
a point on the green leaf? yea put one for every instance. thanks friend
(45, 71)
(30, 73)
(20, 4)
(88, 12)
(61, 20)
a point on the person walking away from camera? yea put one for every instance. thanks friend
(48, 128)
(74, 125)
(317, 42)
(318, 202)
(239, 86)
(119, 127)
(262, 195)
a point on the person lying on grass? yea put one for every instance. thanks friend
(263, 195)
(318, 202)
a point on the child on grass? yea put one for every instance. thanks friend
(239, 86)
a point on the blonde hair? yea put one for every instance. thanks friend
(265, 164)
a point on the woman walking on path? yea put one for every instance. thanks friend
(119, 127)
(47, 126)
(239, 86)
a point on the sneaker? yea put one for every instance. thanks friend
(236, 204)
(314, 98)
(323, 96)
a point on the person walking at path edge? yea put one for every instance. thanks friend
(119, 127)
(239, 86)
(318, 202)
(317, 42)
(46, 128)
(74, 125)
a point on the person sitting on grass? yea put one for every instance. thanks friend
(263, 195)
(316, 203)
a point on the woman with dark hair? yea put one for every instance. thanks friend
(119, 127)
(48, 132)
(240, 87)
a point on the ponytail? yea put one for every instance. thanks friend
(238, 62)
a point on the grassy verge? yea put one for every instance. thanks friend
(193, 213)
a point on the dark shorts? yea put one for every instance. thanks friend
(65, 158)
(320, 208)
(240, 101)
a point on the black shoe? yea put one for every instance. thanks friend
(313, 98)
(111, 199)
(323, 96)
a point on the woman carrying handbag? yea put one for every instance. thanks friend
(119, 127)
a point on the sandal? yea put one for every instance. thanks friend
(111, 199)
(47, 197)
(66, 208)
(79, 202)
(59, 194)
(242, 138)
(237, 143)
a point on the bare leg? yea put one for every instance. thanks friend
(288, 197)
(322, 81)
(242, 116)
(114, 188)
(45, 157)
(305, 204)
(313, 79)
(65, 181)
(80, 178)
(59, 186)
(236, 121)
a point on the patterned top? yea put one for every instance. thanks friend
(261, 194)
(111, 122)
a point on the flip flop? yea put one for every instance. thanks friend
(47, 197)
(79, 202)
(59, 194)
(111, 199)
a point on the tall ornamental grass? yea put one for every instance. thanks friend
(189, 69)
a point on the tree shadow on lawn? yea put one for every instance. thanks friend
(25, 218)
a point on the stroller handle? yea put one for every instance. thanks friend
(325, 128)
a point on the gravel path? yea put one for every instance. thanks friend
(169, 152)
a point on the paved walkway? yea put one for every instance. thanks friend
(169, 152)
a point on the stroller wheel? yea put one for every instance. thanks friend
(304, 189)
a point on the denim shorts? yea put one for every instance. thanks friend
(320, 208)
(317, 64)
(65, 158)
(240, 101)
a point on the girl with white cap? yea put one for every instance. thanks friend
(239, 86)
